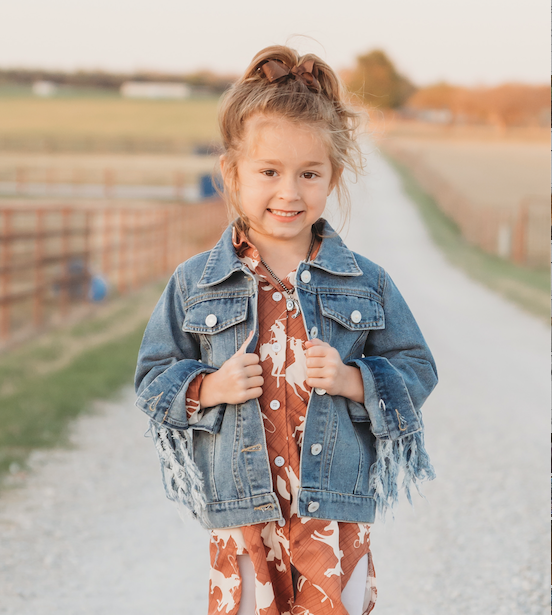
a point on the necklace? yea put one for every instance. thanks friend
(291, 303)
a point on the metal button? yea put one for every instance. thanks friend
(306, 276)
(279, 461)
(211, 320)
(276, 296)
(356, 316)
(314, 332)
(274, 404)
(277, 346)
(313, 506)
(281, 522)
(320, 391)
(316, 449)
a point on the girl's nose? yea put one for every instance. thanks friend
(289, 189)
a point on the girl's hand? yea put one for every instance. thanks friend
(237, 380)
(326, 370)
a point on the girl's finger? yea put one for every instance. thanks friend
(317, 351)
(256, 381)
(315, 362)
(243, 347)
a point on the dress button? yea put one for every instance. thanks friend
(277, 346)
(279, 461)
(320, 391)
(356, 316)
(313, 506)
(306, 276)
(211, 320)
(281, 522)
(314, 332)
(316, 449)
(274, 404)
(276, 296)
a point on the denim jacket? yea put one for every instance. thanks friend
(217, 465)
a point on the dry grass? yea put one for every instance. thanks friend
(489, 168)
(193, 120)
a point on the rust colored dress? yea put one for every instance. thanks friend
(301, 564)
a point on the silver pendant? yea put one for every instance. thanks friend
(290, 305)
(298, 310)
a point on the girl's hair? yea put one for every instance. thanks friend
(324, 106)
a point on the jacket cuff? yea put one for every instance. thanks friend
(387, 402)
(164, 400)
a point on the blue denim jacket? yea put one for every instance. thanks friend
(218, 467)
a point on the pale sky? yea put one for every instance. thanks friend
(470, 42)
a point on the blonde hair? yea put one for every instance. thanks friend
(329, 110)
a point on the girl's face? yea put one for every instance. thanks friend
(284, 177)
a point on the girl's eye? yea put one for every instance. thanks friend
(269, 172)
(309, 175)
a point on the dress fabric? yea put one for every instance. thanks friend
(301, 564)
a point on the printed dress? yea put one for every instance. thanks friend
(301, 564)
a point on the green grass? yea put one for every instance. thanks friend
(529, 288)
(36, 414)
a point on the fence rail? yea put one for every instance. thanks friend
(520, 235)
(53, 257)
(108, 182)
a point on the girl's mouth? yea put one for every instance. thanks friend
(284, 214)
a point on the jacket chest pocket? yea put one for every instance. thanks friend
(214, 315)
(354, 312)
(213, 321)
(349, 318)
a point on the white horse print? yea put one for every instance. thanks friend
(278, 357)
(296, 373)
(332, 540)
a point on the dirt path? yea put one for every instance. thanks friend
(91, 532)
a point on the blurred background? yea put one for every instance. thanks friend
(109, 143)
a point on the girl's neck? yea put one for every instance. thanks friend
(282, 256)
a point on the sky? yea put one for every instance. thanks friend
(468, 42)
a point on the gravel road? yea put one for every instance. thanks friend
(89, 530)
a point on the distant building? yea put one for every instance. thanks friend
(151, 89)
(45, 88)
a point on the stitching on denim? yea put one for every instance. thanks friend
(264, 507)
(252, 449)
(153, 406)
(401, 420)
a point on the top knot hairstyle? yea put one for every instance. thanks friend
(302, 89)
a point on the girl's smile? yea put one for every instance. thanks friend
(284, 177)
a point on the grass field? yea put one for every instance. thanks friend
(530, 289)
(189, 120)
(50, 380)
(490, 174)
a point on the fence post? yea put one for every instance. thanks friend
(38, 307)
(64, 280)
(5, 259)
(20, 179)
(109, 181)
(520, 232)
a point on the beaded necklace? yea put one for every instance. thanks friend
(291, 303)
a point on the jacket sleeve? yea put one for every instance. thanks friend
(398, 371)
(168, 362)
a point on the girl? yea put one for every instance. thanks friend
(283, 374)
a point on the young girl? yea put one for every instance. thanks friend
(284, 374)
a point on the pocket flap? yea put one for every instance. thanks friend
(355, 312)
(214, 315)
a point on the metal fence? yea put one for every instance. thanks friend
(138, 182)
(520, 235)
(55, 258)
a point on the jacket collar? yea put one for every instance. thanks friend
(333, 257)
